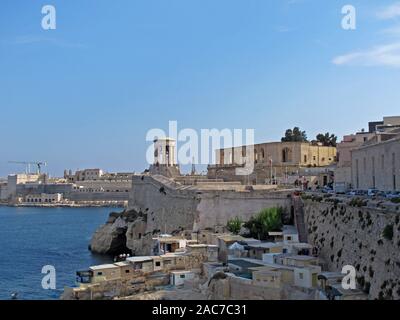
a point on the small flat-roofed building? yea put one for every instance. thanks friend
(338, 293)
(269, 257)
(197, 249)
(243, 266)
(296, 261)
(224, 242)
(105, 272)
(330, 288)
(290, 234)
(302, 249)
(142, 264)
(168, 244)
(126, 269)
(173, 261)
(306, 277)
(267, 278)
(257, 250)
(206, 250)
(212, 253)
(158, 264)
(276, 235)
(178, 278)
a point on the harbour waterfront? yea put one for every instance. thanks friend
(34, 237)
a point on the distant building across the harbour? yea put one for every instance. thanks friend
(83, 186)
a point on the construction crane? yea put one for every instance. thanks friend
(38, 164)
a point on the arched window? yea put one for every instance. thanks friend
(286, 155)
(262, 153)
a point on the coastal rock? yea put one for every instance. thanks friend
(111, 237)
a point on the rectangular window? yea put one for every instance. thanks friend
(383, 162)
(301, 276)
(394, 171)
(357, 176)
(373, 172)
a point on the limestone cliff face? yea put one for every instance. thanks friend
(111, 237)
(367, 238)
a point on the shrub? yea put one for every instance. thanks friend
(266, 221)
(358, 202)
(388, 232)
(234, 225)
(396, 200)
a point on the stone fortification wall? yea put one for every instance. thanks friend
(360, 236)
(160, 205)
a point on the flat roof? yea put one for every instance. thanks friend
(265, 245)
(301, 258)
(244, 263)
(122, 264)
(275, 233)
(331, 275)
(197, 245)
(140, 259)
(181, 272)
(300, 245)
(230, 237)
(103, 266)
(275, 265)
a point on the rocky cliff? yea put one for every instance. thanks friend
(361, 234)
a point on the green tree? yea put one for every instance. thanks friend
(295, 135)
(327, 139)
(234, 225)
(264, 222)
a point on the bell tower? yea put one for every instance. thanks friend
(165, 152)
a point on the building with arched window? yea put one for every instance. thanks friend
(272, 160)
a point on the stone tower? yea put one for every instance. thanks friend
(165, 158)
(165, 152)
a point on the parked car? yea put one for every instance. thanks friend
(327, 189)
(392, 194)
(381, 194)
(352, 193)
(372, 192)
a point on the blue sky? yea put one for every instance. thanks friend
(85, 94)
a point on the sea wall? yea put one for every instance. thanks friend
(366, 237)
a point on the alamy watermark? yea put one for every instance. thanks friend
(349, 21)
(49, 280)
(202, 147)
(49, 21)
